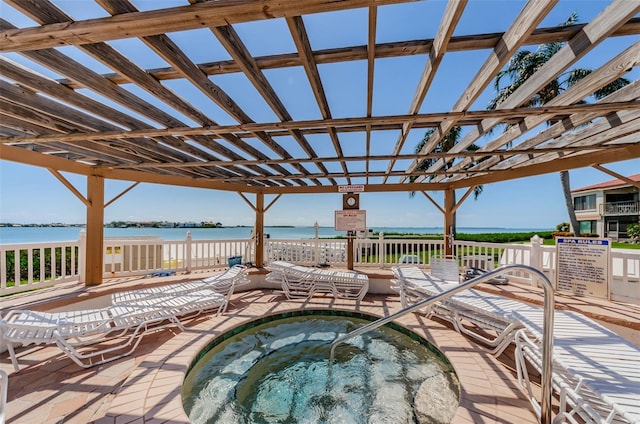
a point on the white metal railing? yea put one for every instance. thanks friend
(620, 208)
(37, 265)
(144, 255)
(307, 252)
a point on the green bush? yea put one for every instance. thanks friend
(49, 255)
(502, 237)
(633, 231)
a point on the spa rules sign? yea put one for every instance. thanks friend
(583, 266)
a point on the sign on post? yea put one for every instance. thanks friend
(583, 266)
(350, 188)
(351, 220)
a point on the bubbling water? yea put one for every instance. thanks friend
(279, 372)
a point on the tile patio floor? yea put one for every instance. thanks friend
(145, 387)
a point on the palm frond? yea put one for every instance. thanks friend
(576, 75)
(613, 86)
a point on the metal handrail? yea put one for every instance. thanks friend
(547, 341)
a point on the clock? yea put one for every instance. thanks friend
(351, 201)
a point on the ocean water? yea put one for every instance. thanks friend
(11, 235)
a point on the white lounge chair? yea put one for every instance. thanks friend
(414, 285)
(223, 283)
(302, 281)
(595, 372)
(490, 313)
(445, 267)
(92, 337)
(292, 278)
(121, 326)
(182, 305)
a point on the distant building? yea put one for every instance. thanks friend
(187, 225)
(608, 207)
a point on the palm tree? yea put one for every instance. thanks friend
(447, 142)
(521, 67)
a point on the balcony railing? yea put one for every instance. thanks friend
(620, 208)
(37, 265)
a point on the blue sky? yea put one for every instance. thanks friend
(32, 195)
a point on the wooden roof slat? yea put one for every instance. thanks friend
(301, 40)
(234, 45)
(499, 154)
(57, 62)
(610, 71)
(37, 83)
(141, 24)
(35, 117)
(450, 19)
(341, 122)
(82, 121)
(612, 154)
(549, 134)
(632, 150)
(172, 54)
(45, 12)
(167, 49)
(45, 122)
(52, 89)
(380, 51)
(522, 26)
(371, 54)
(562, 146)
(603, 131)
(597, 30)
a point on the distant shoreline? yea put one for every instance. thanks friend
(26, 234)
(141, 225)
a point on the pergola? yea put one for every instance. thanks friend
(136, 123)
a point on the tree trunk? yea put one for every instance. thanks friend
(566, 190)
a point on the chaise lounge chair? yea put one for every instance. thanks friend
(492, 316)
(95, 336)
(595, 371)
(301, 281)
(223, 283)
(102, 332)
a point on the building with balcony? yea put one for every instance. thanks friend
(608, 208)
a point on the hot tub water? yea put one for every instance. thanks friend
(278, 372)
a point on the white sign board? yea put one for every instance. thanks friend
(113, 255)
(583, 266)
(350, 188)
(351, 220)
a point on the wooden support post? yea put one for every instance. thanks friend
(95, 231)
(259, 230)
(449, 220)
(350, 250)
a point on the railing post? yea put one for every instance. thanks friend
(535, 256)
(187, 260)
(82, 249)
(316, 250)
(381, 249)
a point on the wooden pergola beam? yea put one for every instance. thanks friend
(142, 24)
(520, 112)
(373, 51)
(450, 18)
(515, 36)
(611, 17)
